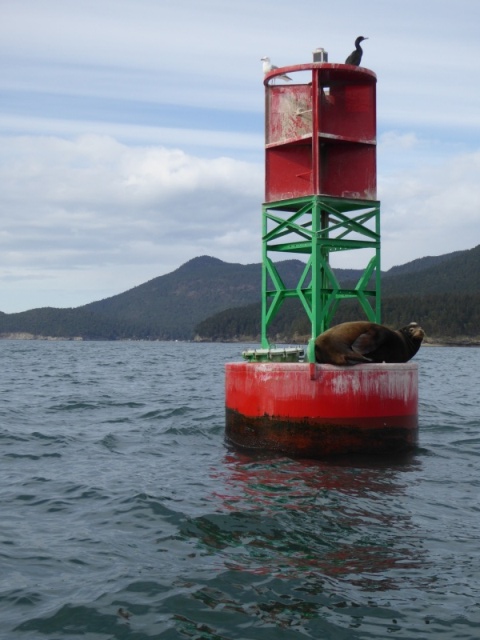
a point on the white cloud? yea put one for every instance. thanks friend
(431, 211)
(205, 140)
(393, 140)
(133, 132)
(94, 205)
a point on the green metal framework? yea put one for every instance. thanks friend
(316, 226)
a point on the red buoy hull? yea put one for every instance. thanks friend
(315, 410)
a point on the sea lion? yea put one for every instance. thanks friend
(361, 341)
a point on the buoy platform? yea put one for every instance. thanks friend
(315, 410)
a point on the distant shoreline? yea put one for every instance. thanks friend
(431, 342)
(453, 343)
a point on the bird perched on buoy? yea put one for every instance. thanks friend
(356, 56)
(268, 66)
(362, 341)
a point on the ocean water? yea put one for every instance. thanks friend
(118, 491)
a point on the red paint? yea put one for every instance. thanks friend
(321, 135)
(278, 389)
(316, 410)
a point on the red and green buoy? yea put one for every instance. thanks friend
(320, 198)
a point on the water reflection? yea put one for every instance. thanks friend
(305, 519)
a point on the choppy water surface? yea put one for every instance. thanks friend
(117, 490)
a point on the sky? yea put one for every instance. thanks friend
(132, 133)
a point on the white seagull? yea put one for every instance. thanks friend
(268, 66)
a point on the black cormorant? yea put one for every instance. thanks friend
(356, 56)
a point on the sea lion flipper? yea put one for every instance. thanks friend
(356, 358)
(367, 341)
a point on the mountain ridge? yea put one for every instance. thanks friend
(171, 306)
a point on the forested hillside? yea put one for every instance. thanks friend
(442, 293)
(445, 318)
(215, 300)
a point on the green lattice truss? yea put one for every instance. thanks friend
(316, 226)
